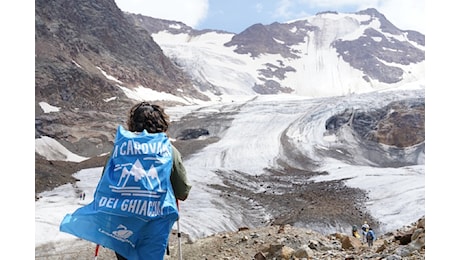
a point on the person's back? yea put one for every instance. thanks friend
(145, 116)
(135, 201)
(354, 231)
(370, 237)
(365, 228)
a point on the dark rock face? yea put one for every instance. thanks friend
(366, 52)
(416, 37)
(403, 125)
(259, 39)
(188, 134)
(393, 128)
(270, 87)
(75, 38)
(400, 124)
(76, 42)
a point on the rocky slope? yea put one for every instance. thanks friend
(287, 242)
(271, 242)
(80, 43)
(87, 55)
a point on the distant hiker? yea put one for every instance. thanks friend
(370, 237)
(354, 231)
(364, 229)
(82, 195)
(134, 206)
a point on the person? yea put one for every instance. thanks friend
(370, 237)
(153, 118)
(365, 228)
(354, 231)
(135, 201)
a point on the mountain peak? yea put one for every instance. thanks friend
(94, 62)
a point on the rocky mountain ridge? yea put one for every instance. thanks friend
(80, 43)
(291, 57)
(87, 58)
(93, 62)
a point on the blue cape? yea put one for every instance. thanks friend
(133, 200)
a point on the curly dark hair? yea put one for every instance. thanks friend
(147, 116)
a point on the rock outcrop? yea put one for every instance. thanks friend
(288, 242)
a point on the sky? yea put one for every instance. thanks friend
(235, 16)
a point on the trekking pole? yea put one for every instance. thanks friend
(178, 232)
(96, 252)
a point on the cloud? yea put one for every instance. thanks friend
(190, 12)
(406, 15)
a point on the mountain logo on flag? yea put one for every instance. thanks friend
(127, 182)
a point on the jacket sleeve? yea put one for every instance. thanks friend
(179, 180)
(106, 161)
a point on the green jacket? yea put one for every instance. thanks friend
(178, 177)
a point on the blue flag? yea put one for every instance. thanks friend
(134, 205)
